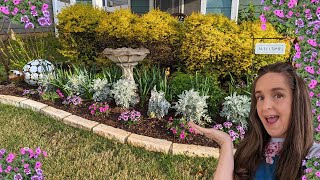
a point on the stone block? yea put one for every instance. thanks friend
(195, 150)
(149, 143)
(11, 100)
(79, 122)
(31, 104)
(55, 113)
(111, 133)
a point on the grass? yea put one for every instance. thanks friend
(79, 154)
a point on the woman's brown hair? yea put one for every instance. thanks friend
(299, 136)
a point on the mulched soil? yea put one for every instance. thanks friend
(147, 127)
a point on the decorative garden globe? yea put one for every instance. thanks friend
(35, 70)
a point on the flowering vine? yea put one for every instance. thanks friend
(303, 18)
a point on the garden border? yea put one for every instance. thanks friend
(109, 132)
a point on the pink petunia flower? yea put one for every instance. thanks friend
(44, 7)
(278, 13)
(263, 26)
(311, 94)
(182, 135)
(312, 42)
(309, 69)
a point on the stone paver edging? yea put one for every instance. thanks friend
(109, 132)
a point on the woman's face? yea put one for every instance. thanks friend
(274, 102)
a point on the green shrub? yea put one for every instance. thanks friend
(205, 84)
(3, 75)
(76, 27)
(179, 82)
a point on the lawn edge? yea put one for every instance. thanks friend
(112, 133)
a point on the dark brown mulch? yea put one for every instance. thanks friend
(147, 127)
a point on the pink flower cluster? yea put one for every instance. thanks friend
(99, 108)
(29, 13)
(22, 166)
(236, 134)
(311, 166)
(130, 116)
(179, 127)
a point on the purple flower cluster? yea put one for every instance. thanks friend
(39, 91)
(304, 19)
(29, 13)
(236, 132)
(130, 116)
(72, 100)
(179, 127)
(99, 108)
(25, 165)
(312, 167)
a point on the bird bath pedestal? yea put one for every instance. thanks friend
(126, 58)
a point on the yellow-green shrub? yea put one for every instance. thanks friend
(254, 28)
(215, 43)
(211, 41)
(117, 30)
(76, 27)
(160, 33)
(157, 31)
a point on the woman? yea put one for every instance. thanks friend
(280, 133)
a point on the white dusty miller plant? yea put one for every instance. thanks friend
(236, 108)
(193, 107)
(158, 105)
(76, 84)
(101, 89)
(124, 93)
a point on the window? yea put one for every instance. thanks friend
(219, 7)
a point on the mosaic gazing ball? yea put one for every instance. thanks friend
(35, 70)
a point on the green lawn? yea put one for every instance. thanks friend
(79, 154)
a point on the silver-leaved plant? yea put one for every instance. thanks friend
(158, 105)
(124, 93)
(193, 107)
(76, 84)
(236, 108)
(101, 89)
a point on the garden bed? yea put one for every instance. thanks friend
(155, 128)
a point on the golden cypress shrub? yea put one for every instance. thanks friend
(156, 30)
(157, 26)
(212, 42)
(160, 33)
(215, 43)
(76, 27)
(117, 30)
